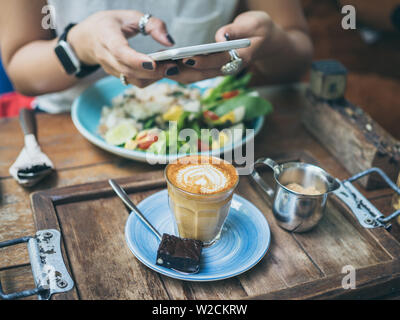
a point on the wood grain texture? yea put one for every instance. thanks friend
(353, 138)
(102, 263)
(58, 138)
(336, 237)
(17, 279)
(92, 222)
(386, 279)
(15, 210)
(383, 203)
(282, 132)
(289, 261)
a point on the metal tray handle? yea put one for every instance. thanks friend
(48, 268)
(389, 182)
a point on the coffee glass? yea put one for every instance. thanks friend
(197, 215)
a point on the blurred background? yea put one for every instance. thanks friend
(371, 53)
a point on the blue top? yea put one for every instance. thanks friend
(5, 84)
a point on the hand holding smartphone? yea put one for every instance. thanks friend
(203, 49)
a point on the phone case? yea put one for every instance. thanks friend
(186, 52)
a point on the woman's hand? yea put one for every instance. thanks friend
(254, 25)
(102, 39)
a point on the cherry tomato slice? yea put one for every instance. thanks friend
(147, 141)
(230, 94)
(210, 115)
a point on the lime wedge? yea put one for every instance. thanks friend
(121, 134)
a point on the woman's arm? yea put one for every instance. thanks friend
(28, 49)
(281, 49)
(288, 51)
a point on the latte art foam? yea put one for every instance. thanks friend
(202, 175)
(205, 177)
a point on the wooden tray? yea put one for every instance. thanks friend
(297, 266)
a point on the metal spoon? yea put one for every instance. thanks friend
(32, 165)
(35, 172)
(124, 197)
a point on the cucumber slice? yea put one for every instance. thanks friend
(121, 134)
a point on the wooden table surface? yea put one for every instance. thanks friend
(77, 161)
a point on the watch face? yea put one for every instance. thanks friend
(65, 60)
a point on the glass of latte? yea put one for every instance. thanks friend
(200, 190)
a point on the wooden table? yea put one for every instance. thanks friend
(77, 161)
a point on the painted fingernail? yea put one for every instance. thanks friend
(148, 66)
(190, 62)
(170, 39)
(227, 36)
(172, 71)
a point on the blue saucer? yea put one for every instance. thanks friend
(244, 241)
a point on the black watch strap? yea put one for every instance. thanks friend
(85, 70)
(66, 30)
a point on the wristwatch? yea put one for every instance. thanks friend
(68, 58)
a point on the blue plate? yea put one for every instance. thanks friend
(86, 114)
(244, 240)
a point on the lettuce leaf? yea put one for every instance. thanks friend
(229, 83)
(255, 106)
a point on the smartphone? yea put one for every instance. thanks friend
(186, 52)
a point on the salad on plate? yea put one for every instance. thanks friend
(152, 119)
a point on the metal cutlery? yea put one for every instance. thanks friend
(124, 197)
(32, 165)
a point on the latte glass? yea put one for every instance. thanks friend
(199, 216)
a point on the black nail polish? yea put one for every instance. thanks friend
(170, 39)
(172, 71)
(227, 36)
(190, 62)
(147, 65)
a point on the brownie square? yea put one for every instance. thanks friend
(179, 254)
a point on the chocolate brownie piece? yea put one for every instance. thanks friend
(179, 254)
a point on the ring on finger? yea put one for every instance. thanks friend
(143, 22)
(123, 79)
(233, 67)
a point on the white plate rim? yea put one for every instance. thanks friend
(198, 278)
(145, 156)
